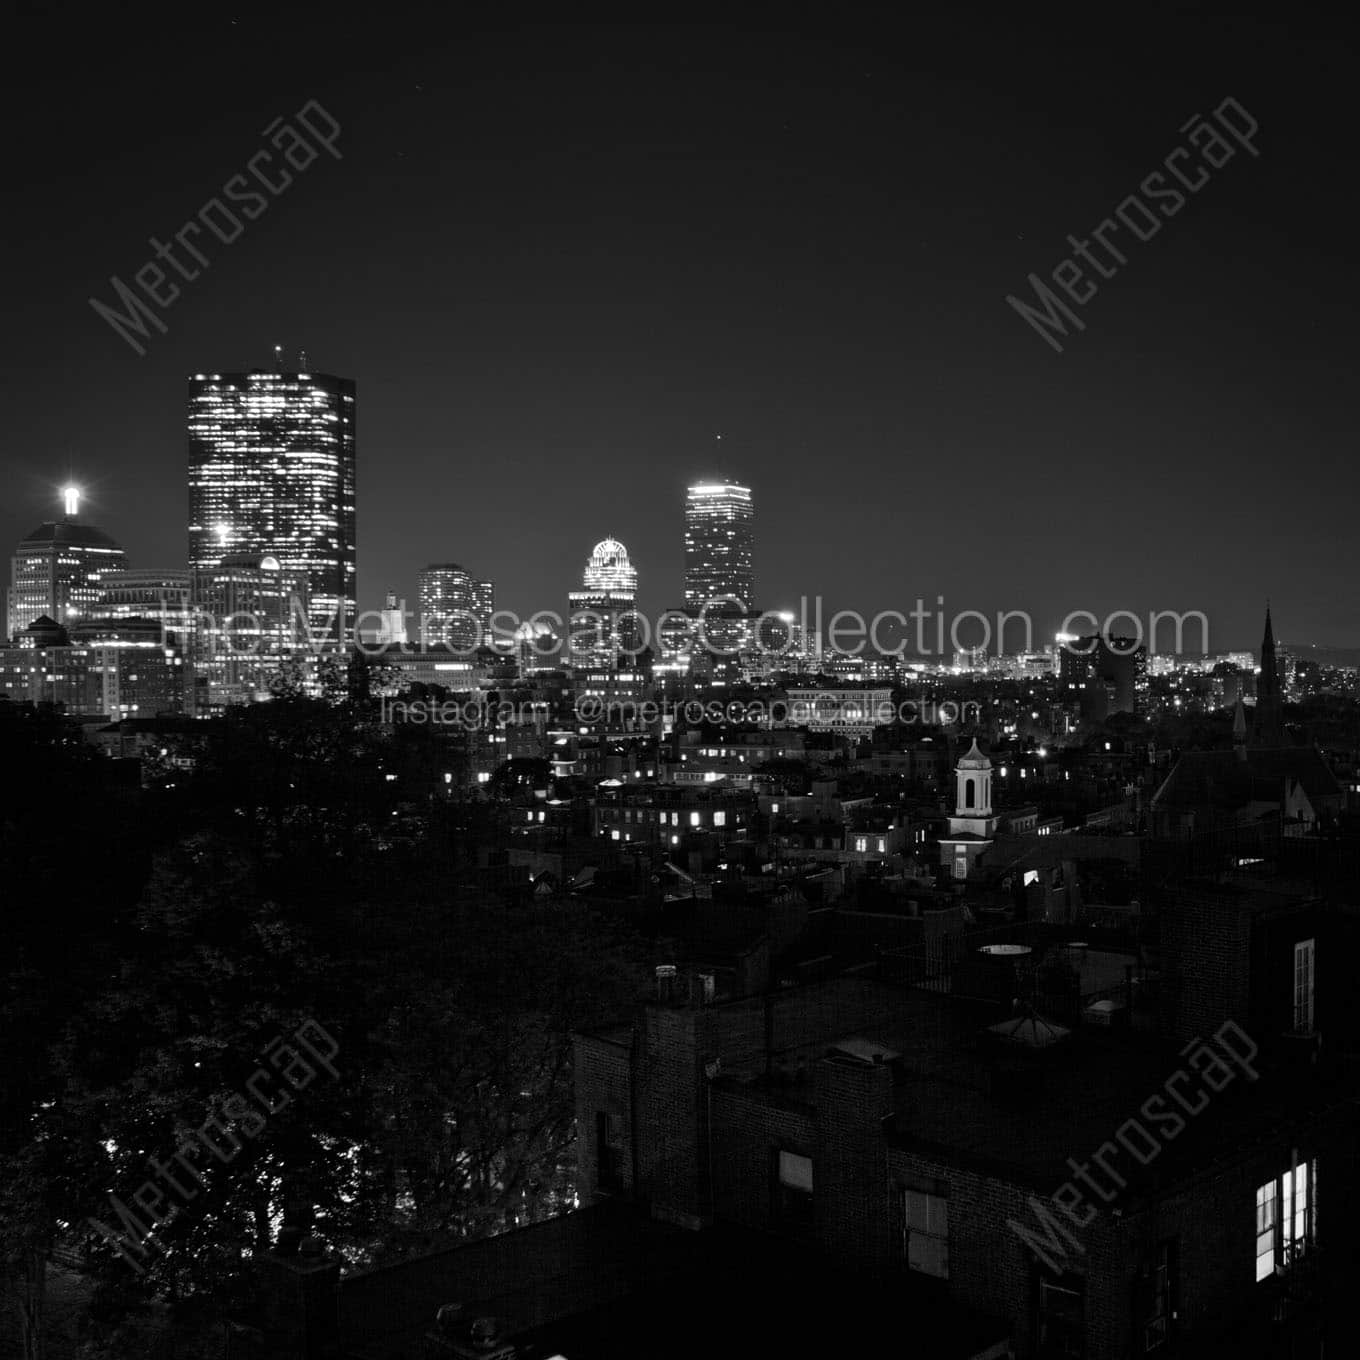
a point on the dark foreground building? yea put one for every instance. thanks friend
(916, 1158)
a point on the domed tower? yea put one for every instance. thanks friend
(58, 570)
(972, 826)
(609, 572)
(603, 615)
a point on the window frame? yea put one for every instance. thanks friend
(1067, 1338)
(1305, 977)
(925, 1221)
(794, 1204)
(1292, 1230)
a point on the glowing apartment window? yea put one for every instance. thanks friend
(720, 819)
(1285, 1210)
(861, 844)
(1265, 1230)
(694, 819)
(1303, 987)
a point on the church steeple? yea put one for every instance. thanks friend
(1268, 727)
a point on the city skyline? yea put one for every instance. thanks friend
(1167, 632)
(840, 321)
(739, 679)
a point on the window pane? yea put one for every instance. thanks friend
(917, 1214)
(929, 1255)
(1303, 985)
(1265, 1230)
(795, 1171)
(1265, 1207)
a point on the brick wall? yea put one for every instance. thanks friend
(747, 1130)
(1206, 955)
(602, 1072)
(672, 1110)
(850, 1164)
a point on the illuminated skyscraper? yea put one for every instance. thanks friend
(57, 571)
(271, 473)
(603, 617)
(455, 609)
(484, 602)
(718, 546)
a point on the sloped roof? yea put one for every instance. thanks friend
(975, 759)
(1202, 779)
(68, 531)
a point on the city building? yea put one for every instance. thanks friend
(1268, 719)
(272, 474)
(484, 605)
(251, 620)
(148, 594)
(602, 622)
(455, 608)
(844, 711)
(392, 621)
(58, 570)
(719, 547)
(115, 668)
(972, 825)
(136, 668)
(1103, 675)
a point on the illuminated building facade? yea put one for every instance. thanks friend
(392, 621)
(159, 595)
(719, 542)
(973, 825)
(251, 619)
(133, 671)
(58, 570)
(111, 668)
(603, 615)
(271, 473)
(484, 605)
(455, 608)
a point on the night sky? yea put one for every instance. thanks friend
(560, 262)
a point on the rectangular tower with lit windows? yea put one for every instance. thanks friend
(272, 473)
(719, 533)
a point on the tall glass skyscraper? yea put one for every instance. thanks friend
(271, 473)
(719, 537)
